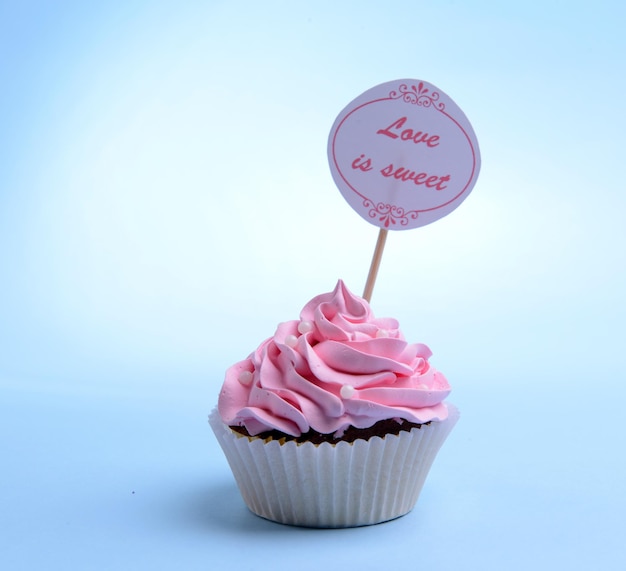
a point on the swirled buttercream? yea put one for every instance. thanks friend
(337, 366)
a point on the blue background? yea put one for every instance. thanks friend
(165, 201)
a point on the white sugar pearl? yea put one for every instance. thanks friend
(245, 377)
(291, 341)
(347, 392)
(305, 327)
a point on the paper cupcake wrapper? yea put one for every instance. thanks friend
(341, 485)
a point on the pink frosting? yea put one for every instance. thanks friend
(337, 366)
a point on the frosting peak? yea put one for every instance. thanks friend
(337, 366)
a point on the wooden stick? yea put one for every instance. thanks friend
(378, 254)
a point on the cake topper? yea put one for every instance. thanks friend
(403, 155)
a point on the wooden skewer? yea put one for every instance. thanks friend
(378, 254)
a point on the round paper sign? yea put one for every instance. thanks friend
(403, 154)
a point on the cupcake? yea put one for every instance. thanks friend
(335, 420)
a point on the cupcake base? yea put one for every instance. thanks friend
(348, 484)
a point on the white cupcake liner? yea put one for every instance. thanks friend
(326, 485)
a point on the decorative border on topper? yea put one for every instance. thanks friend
(389, 213)
(417, 96)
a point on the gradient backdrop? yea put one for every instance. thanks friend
(165, 200)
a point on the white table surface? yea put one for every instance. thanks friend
(126, 481)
